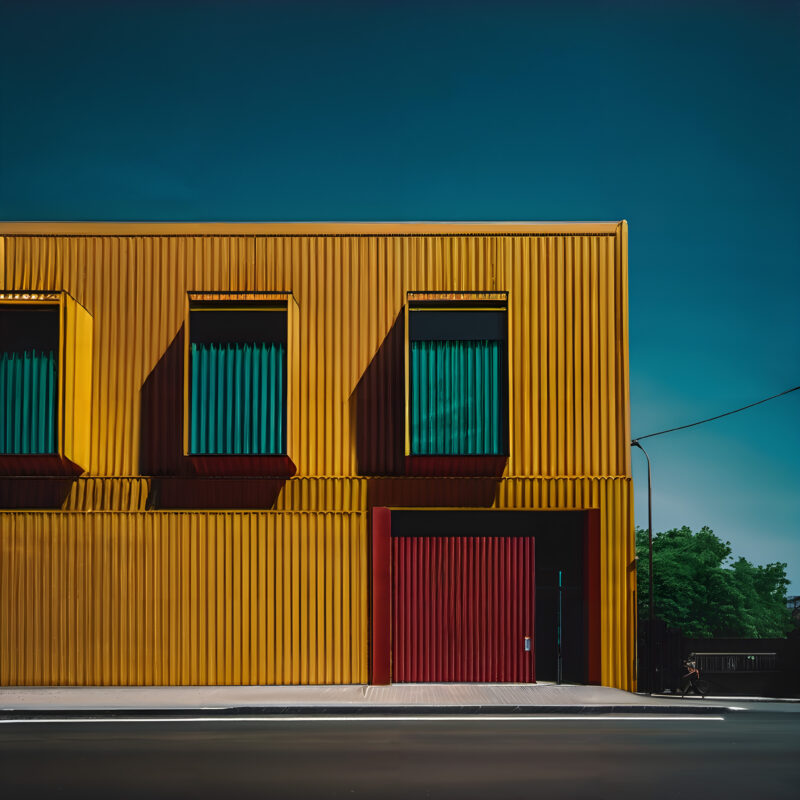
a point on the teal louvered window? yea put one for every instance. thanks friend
(456, 398)
(237, 398)
(458, 384)
(28, 381)
(237, 384)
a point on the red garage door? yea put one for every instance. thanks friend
(463, 609)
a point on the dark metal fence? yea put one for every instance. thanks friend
(762, 667)
(737, 662)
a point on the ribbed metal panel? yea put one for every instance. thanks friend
(614, 499)
(568, 384)
(103, 494)
(462, 608)
(76, 384)
(28, 401)
(612, 496)
(567, 335)
(237, 398)
(189, 599)
(74, 494)
(456, 398)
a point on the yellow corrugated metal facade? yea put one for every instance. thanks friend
(183, 598)
(103, 584)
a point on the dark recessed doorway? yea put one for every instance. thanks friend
(442, 579)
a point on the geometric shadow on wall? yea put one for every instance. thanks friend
(40, 492)
(214, 493)
(161, 428)
(377, 408)
(432, 492)
(196, 482)
(378, 404)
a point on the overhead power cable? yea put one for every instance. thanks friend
(719, 416)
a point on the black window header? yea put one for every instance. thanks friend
(448, 325)
(230, 326)
(28, 328)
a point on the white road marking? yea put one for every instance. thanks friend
(371, 718)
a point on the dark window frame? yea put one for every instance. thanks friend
(461, 306)
(239, 322)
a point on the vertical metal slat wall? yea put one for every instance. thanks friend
(568, 427)
(456, 398)
(186, 598)
(237, 398)
(462, 607)
(28, 381)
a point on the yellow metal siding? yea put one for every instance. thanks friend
(163, 597)
(182, 598)
(294, 367)
(76, 382)
(324, 552)
(568, 337)
(305, 228)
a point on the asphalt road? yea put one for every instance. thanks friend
(750, 754)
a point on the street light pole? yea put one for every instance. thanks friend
(635, 443)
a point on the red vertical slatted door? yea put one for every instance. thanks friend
(462, 608)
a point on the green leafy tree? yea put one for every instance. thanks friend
(701, 590)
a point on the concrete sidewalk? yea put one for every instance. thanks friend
(281, 700)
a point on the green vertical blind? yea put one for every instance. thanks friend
(457, 398)
(28, 401)
(238, 398)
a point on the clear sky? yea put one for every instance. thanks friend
(681, 117)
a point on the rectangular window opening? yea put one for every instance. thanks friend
(29, 348)
(458, 379)
(237, 379)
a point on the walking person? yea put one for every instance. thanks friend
(690, 681)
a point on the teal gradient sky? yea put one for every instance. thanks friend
(683, 118)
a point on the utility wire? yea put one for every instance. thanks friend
(719, 416)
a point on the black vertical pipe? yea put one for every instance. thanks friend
(559, 661)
